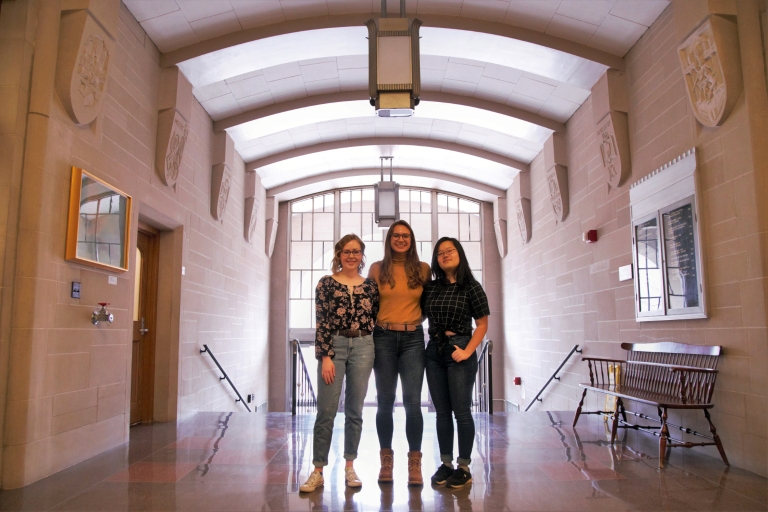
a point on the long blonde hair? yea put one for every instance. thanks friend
(336, 263)
(412, 263)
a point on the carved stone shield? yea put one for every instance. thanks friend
(220, 185)
(613, 141)
(172, 132)
(711, 68)
(523, 209)
(557, 183)
(251, 211)
(82, 68)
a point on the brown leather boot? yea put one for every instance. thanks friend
(414, 469)
(387, 461)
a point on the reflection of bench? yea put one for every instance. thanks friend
(665, 375)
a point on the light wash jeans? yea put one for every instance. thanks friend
(353, 361)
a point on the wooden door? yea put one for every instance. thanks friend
(144, 307)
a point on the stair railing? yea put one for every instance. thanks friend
(303, 397)
(225, 376)
(483, 393)
(553, 376)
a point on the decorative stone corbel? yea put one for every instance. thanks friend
(500, 224)
(521, 192)
(173, 118)
(711, 65)
(86, 49)
(271, 226)
(609, 111)
(221, 173)
(556, 163)
(251, 205)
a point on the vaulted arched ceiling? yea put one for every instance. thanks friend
(288, 80)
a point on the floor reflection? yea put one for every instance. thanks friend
(521, 461)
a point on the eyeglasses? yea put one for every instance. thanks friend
(446, 252)
(404, 236)
(353, 252)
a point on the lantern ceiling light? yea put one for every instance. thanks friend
(394, 69)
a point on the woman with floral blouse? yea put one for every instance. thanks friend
(346, 305)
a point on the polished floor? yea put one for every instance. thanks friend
(522, 461)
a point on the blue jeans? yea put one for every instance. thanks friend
(353, 360)
(399, 353)
(450, 386)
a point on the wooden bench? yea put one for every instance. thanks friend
(666, 375)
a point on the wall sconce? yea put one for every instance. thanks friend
(102, 315)
(589, 236)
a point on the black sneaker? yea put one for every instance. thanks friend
(442, 474)
(458, 479)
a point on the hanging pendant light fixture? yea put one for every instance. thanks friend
(394, 68)
(387, 197)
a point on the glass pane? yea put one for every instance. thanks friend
(469, 206)
(366, 233)
(426, 201)
(307, 286)
(344, 198)
(295, 284)
(425, 252)
(649, 284)
(405, 201)
(442, 203)
(374, 251)
(328, 203)
(302, 206)
(474, 227)
(301, 314)
(327, 255)
(301, 255)
(357, 200)
(479, 276)
(349, 223)
(682, 281)
(474, 254)
(453, 204)
(295, 226)
(306, 226)
(463, 227)
(422, 226)
(323, 226)
(369, 200)
(447, 225)
(317, 255)
(318, 204)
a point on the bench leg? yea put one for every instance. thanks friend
(578, 409)
(615, 426)
(663, 437)
(716, 438)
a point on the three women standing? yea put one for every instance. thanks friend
(450, 302)
(399, 346)
(346, 305)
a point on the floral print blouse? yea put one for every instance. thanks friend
(336, 311)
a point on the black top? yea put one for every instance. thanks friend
(334, 311)
(451, 308)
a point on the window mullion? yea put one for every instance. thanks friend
(336, 215)
(433, 199)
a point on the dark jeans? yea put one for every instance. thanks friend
(450, 385)
(399, 353)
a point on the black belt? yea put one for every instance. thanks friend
(352, 333)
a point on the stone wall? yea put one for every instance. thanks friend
(560, 291)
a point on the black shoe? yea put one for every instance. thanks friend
(458, 479)
(442, 474)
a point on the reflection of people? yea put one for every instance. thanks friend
(450, 302)
(399, 340)
(346, 305)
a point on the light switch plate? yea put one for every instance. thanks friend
(112, 279)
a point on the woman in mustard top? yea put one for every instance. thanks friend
(399, 346)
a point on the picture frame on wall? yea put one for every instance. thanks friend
(98, 223)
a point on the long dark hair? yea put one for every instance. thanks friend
(412, 263)
(463, 272)
(336, 263)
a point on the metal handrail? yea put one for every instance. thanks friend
(239, 397)
(553, 376)
(484, 382)
(305, 384)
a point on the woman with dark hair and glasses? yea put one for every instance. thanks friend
(399, 341)
(345, 307)
(450, 302)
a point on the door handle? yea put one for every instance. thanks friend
(143, 331)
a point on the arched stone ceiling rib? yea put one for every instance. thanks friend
(387, 141)
(356, 20)
(355, 177)
(337, 97)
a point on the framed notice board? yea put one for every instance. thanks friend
(667, 250)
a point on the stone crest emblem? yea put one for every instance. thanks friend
(223, 197)
(613, 140)
(558, 191)
(92, 69)
(706, 57)
(251, 210)
(172, 134)
(221, 178)
(524, 219)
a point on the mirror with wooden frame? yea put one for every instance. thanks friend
(98, 227)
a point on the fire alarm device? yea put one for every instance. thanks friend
(589, 236)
